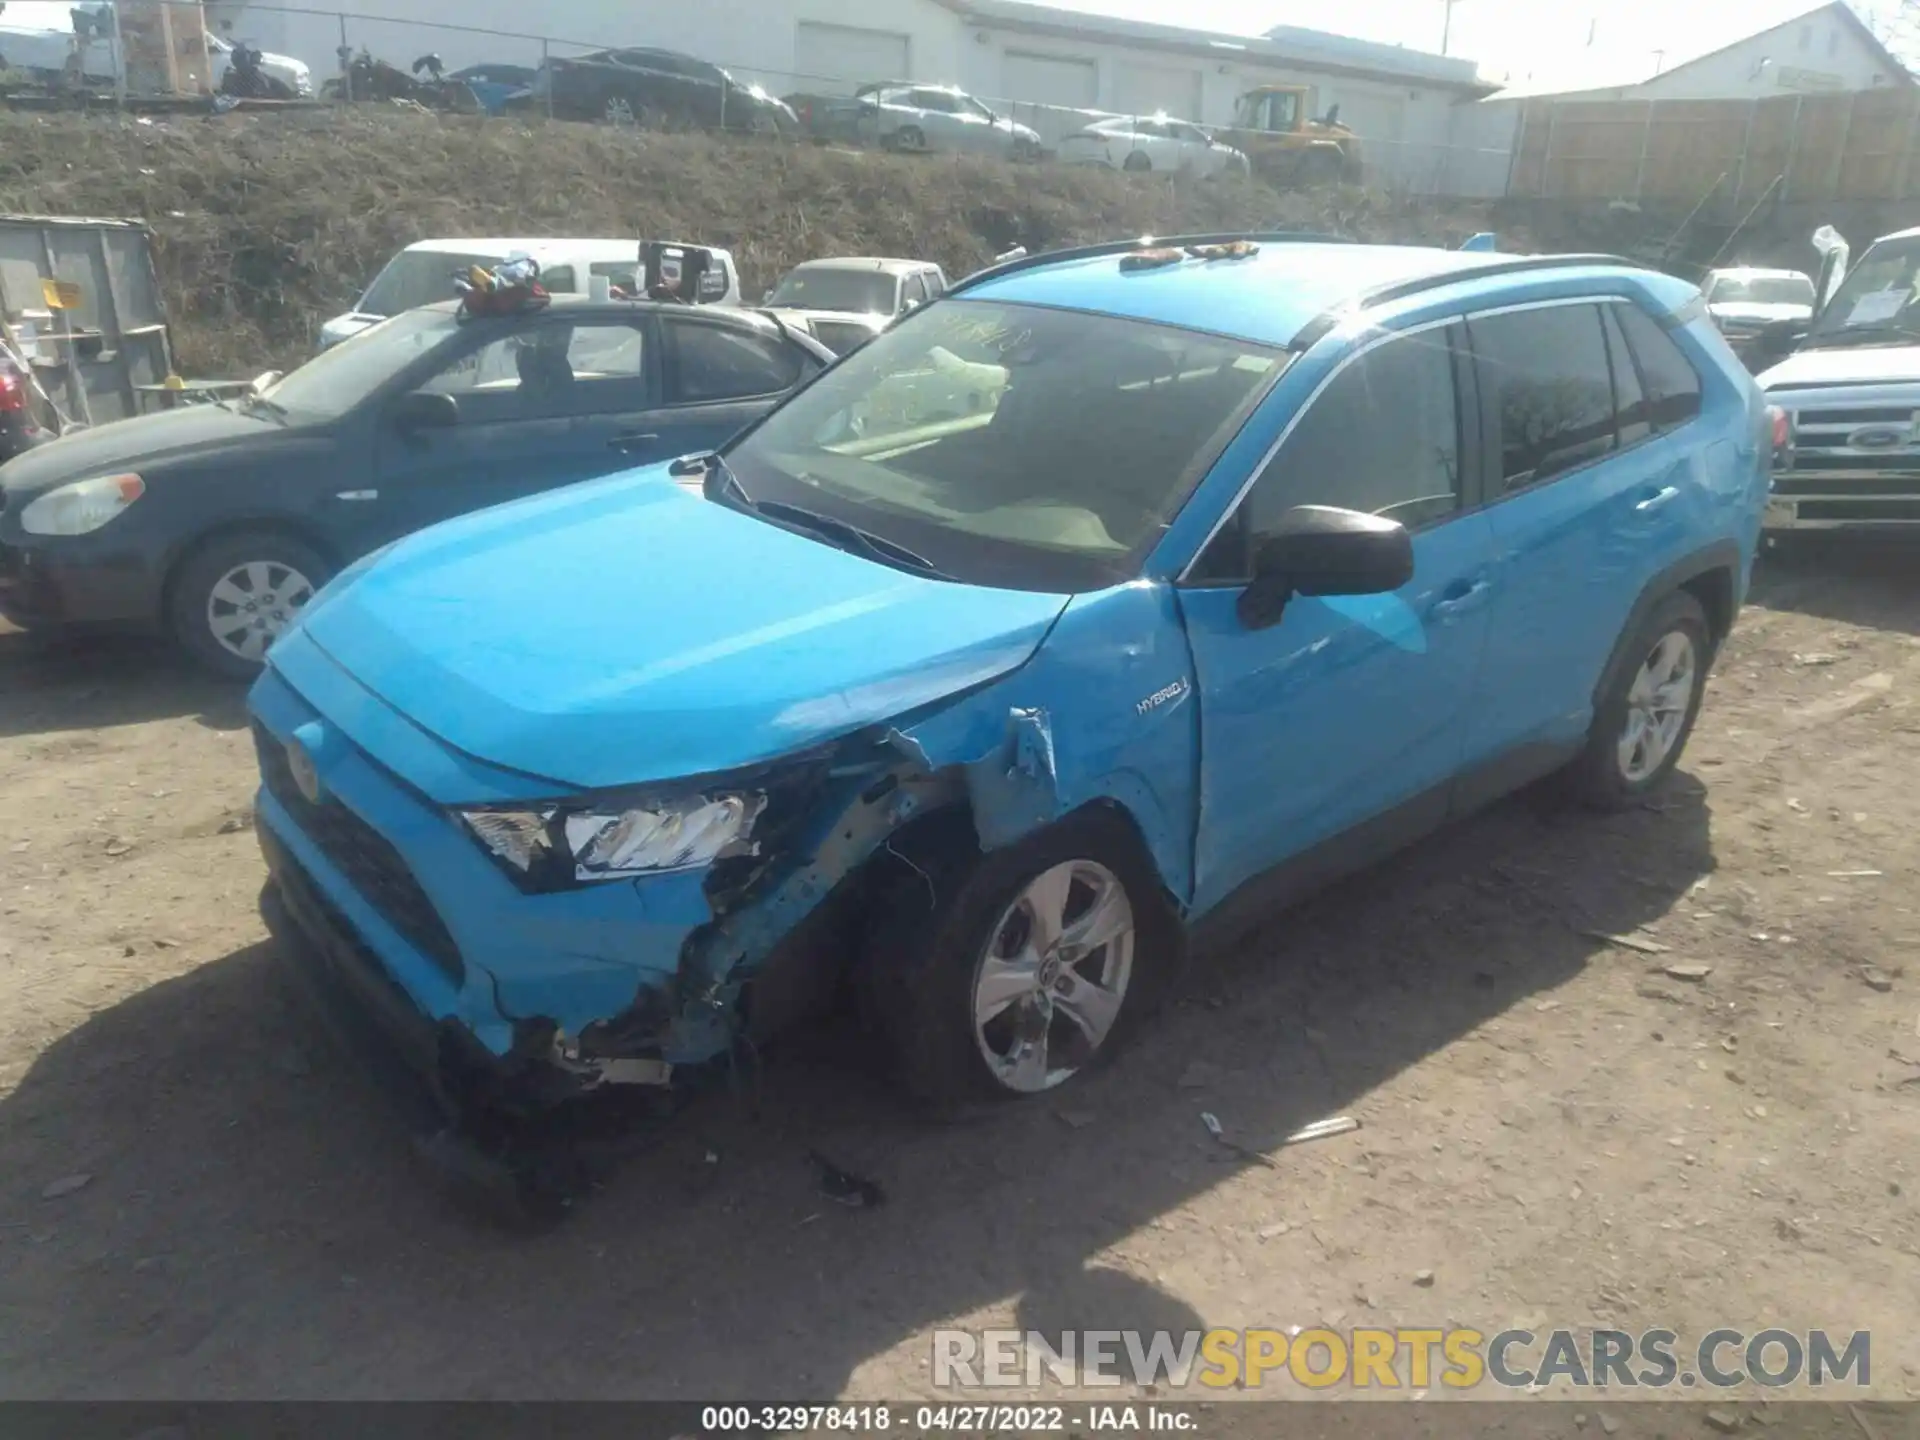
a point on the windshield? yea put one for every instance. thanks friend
(336, 380)
(858, 291)
(418, 277)
(1762, 290)
(1875, 302)
(1011, 445)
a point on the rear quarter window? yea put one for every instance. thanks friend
(1671, 383)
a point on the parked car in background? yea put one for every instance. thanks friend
(845, 302)
(1127, 142)
(939, 117)
(422, 274)
(49, 55)
(1745, 301)
(658, 88)
(494, 85)
(217, 524)
(829, 119)
(967, 712)
(1850, 390)
(20, 427)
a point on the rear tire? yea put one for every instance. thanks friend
(208, 603)
(944, 938)
(1643, 722)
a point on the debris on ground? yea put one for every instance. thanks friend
(1876, 979)
(1424, 1279)
(1323, 1130)
(854, 1191)
(1725, 1421)
(65, 1185)
(1077, 1119)
(1687, 971)
(1273, 1231)
(1214, 1128)
(1629, 942)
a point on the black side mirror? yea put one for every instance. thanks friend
(1777, 340)
(424, 410)
(1322, 550)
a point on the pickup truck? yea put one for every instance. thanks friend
(1848, 381)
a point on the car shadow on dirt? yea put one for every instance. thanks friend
(254, 1221)
(1859, 581)
(50, 684)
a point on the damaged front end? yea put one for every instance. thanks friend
(539, 960)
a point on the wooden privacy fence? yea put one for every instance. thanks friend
(1728, 153)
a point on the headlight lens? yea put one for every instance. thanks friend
(82, 507)
(559, 846)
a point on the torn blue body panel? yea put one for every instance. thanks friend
(1106, 711)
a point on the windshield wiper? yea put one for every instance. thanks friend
(254, 400)
(1881, 332)
(847, 537)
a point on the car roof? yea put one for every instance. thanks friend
(1269, 297)
(476, 245)
(883, 263)
(587, 306)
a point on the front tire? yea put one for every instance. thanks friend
(1643, 722)
(1138, 163)
(232, 599)
(909, 140)
(998, 976)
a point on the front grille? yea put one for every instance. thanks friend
(1789, 483)
(1897, 511)
(1831, 479)
(365, 857)
(1878, 415)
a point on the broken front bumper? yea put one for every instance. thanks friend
(502, 1000)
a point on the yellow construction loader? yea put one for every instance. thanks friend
(1272, 127)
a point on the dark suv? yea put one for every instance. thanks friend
(652, 88)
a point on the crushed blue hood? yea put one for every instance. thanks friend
(627, 631)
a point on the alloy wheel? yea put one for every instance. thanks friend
(1051, 980)
(1658, 704)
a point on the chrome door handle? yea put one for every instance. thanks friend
(1664, 495)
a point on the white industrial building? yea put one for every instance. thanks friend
(1399, 101)
(1823, 51)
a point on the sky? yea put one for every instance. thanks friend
(1564, 43)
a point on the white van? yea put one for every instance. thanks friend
(422, 274)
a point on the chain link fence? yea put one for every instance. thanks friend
(340, 55)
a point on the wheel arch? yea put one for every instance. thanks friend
(1709, 575)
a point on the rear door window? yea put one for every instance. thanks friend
(1671, 383)
(715, 362)
(1630, 399)
(1548, 389)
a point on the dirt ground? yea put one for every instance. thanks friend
(1562, 1133)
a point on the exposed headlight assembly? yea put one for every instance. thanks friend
(561, 846)
(82, 507)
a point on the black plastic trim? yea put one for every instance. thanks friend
(1721, 555)
(1317, 327)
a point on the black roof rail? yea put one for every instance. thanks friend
(1123, 247)
(1439, 279)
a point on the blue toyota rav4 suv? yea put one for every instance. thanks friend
(1120, 582)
